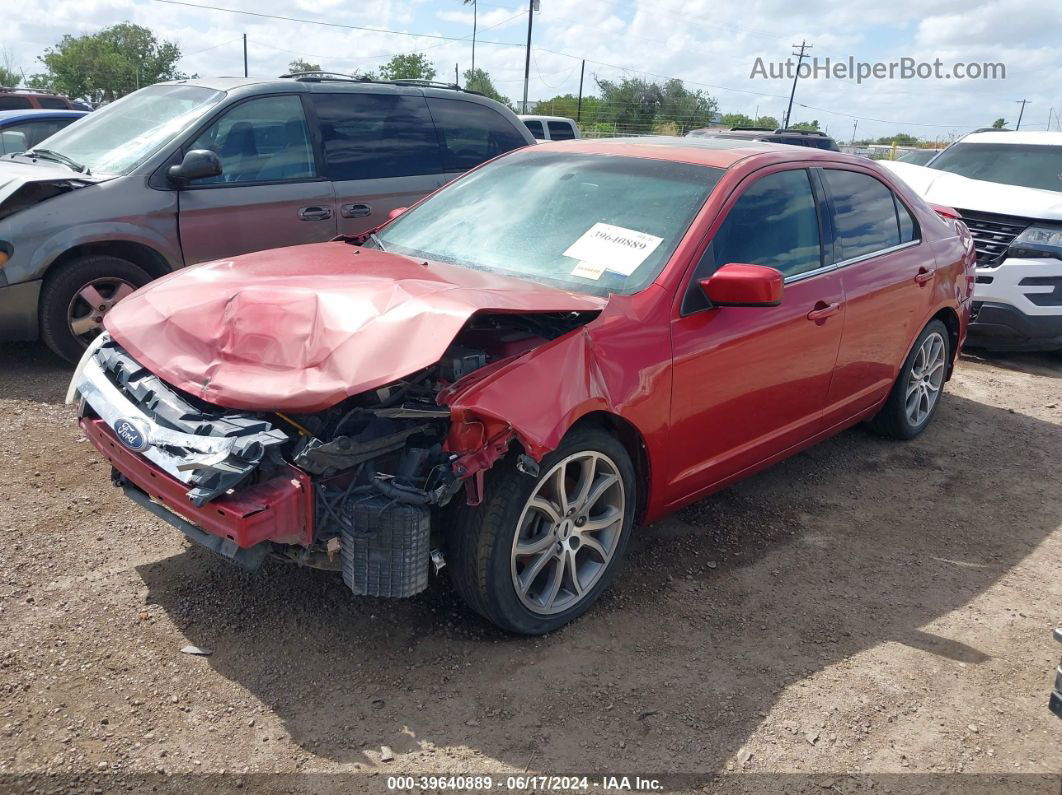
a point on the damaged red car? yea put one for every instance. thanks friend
(506, 379)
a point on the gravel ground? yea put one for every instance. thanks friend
(865, 608)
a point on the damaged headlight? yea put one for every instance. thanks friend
(79, 371)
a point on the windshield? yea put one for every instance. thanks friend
(1027, 165)
(590, 223)
(122, 135)
(919, 157)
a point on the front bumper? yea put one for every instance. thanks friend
(1002, 327)
(1018, 305)
(279, 509)
(18, 311)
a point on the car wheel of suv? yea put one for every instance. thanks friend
(75, 299)
(916, 394)
(540, 550)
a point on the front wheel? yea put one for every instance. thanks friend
(916, 394)
(539, 551)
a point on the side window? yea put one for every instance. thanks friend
(536, 129)
(864, 213)
(37, 131)
(13, 103)
(908, 229)
(53, 103)
(774, 223)
(261, 140)
(471, 133)
(561, 131)
(374, 136)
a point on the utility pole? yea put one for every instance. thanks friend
(475, 19)
(527, 53)
(456, 81)
(245, 55)
(1020, 113)
(800, 59)
(1050, 112)
(855, 126)
(579, 107)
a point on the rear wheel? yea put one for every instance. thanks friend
(76, 298)
(540, 551)
(916, 394)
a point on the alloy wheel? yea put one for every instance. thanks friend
(925, 379)
(568, 532)
(92, 302)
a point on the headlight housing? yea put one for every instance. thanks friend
(1038, 241)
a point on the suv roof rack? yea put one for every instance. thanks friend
(17, 90)
(797, 131)
(749, 129)
(323, 76)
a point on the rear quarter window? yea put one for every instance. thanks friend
(14, 103)
(561, 131)
(864, 212)
(53, 103)
(471, 133)
(535, 127)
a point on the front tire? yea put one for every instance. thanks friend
(915, 396)
(540, 551)
(77, 296)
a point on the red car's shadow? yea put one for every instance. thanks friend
(855, 543)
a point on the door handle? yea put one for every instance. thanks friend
(924, 275)
(355, 210)
(315, 213)
(823, 310)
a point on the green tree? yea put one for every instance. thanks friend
(635, 105)
(805, 125)
(408, 66)
(737, 120)
(999, 123)
(9, 75)
(900, 139)
(478, 80)
(299, 65)
(110, 64)
(568, 105)
(768, 121)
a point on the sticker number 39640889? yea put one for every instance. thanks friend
(613, 248)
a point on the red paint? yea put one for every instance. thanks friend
(736, 284)
(280, 509)
(712, 396)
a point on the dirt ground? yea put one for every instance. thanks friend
(866, 608)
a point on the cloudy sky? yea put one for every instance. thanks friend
(711, 44)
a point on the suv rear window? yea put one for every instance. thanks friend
(471, 133)
(536, 128)
(53, 103)
(13, 103)
(374, 136)
(560, 131)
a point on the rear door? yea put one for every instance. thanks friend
(269, 193)
(750, 383)
(380, 150)
(886, 274)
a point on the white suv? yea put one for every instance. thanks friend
(1008, 188)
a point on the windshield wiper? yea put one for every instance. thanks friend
(379, 243)
(49, 154)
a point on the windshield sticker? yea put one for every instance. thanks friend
(588, 270)
(621, 250)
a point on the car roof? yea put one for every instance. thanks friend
(329, 84)
(535, 117)
(1042, 138)
(30, 114)
(714, 152)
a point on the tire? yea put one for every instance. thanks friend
(896, 420)
(62, 302)
(484, 560)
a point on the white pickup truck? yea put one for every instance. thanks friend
(1008, 188)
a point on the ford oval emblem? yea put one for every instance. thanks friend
(130, 435)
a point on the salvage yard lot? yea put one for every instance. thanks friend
(867, 606)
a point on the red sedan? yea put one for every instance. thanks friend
(506, 379)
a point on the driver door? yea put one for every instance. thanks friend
(750, 383)
(269, 193)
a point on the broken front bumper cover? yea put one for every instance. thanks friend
(280, 509)
(211, 453)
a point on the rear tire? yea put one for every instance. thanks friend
(495, 547)
(916, 395)
(68, 319)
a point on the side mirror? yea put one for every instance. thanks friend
(197, 164)
(737, 284)
(12, 141)
(396, 212)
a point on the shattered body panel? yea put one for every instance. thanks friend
(260, 334)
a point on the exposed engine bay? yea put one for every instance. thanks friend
(379, 462)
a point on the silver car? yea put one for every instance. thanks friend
(195, 170)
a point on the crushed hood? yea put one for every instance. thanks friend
(963, 193)
(24, 182)
(298, 329)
